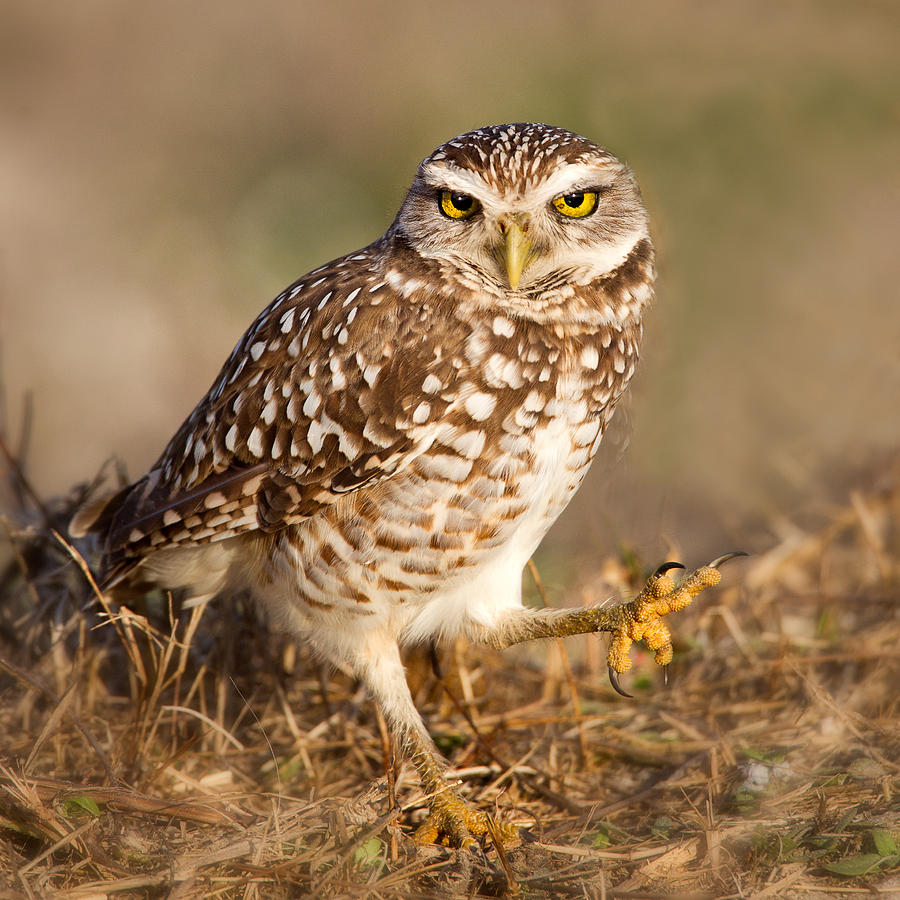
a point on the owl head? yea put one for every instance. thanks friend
(523, 209)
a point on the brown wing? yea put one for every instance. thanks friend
(323, 395)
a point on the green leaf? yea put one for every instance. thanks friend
(753, 753)
(448, 741)
(845, 820)
(768, 757)
(822, 842)
(856, 865)
(291, 769)
(73, 806)
(744, 800)
(884, 842)
(369, 852)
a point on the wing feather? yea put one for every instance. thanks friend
(320, 398)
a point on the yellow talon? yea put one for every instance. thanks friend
(641, 618)
(452, 822)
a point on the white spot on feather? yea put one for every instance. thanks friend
(585, 434)
(348, 444)
(315, 436)
(432, 384)
(469, 443)
(590, 357)
(312, 404)
(270, 411)
(535, 401)
(402, 284)
(480, 405)
(502, 326)
(444, 466)
(254, 442)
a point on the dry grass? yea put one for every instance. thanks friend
(153, 752)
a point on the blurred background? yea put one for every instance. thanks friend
(166, 168)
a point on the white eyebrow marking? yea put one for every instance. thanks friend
(567, 177)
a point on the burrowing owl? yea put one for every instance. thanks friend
(392, 437)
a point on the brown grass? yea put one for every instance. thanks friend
(152, 751)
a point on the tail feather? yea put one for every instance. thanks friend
(90, 518)
(97, 517)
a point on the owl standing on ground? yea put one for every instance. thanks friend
(391, 439)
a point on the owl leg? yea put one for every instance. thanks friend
(451, 820)
(639, 620)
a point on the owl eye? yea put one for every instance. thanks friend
(457, 205)
(576, 204)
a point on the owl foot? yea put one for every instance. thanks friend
(453, 823)
(641, 619)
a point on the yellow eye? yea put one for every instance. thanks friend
(577, 204)
(457, 205)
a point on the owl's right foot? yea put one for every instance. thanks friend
(641, 619)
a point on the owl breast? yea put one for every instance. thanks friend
(439, 548)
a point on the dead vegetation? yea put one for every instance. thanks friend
(151, 751)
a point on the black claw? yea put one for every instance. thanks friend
(725, 557)
(665, 568)
(614, 681)
(435, 662)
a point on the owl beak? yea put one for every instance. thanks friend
(515, 250)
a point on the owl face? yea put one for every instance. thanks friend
(523, 209)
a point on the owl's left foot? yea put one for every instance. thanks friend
(453, 823)
(641, 619)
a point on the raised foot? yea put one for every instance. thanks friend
(453, 823)
(641, 619)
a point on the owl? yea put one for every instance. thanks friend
(390, 440)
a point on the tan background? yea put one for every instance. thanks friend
(166, 168)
